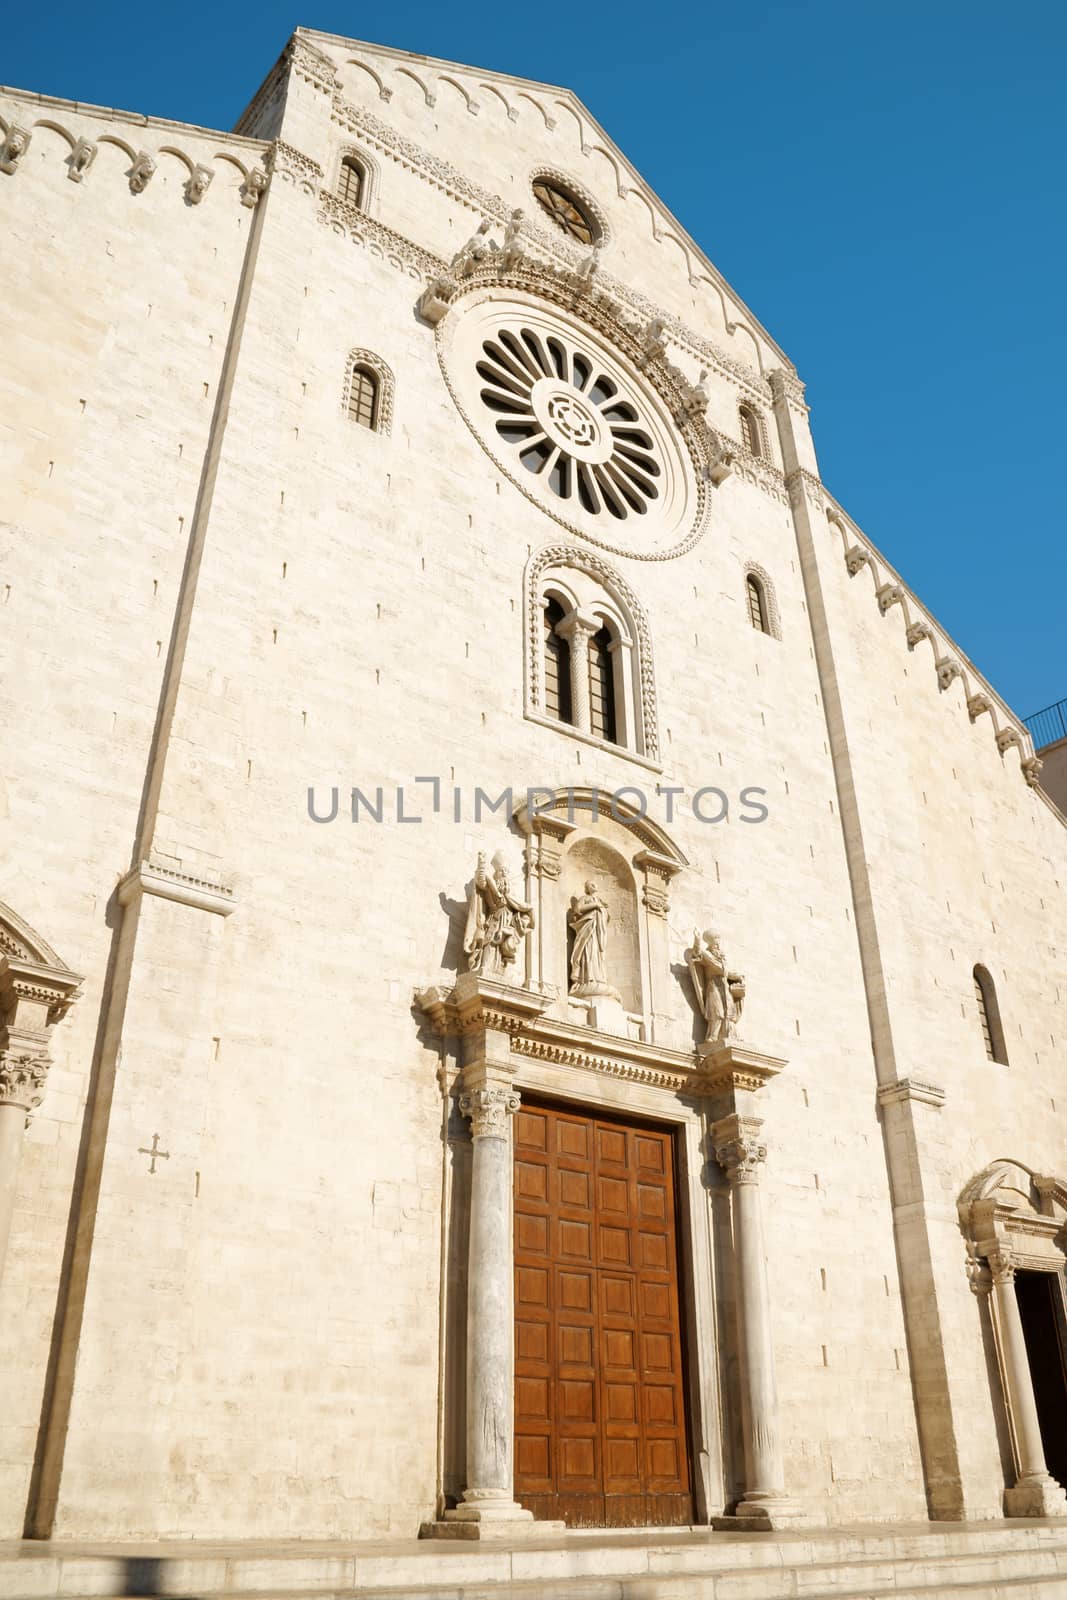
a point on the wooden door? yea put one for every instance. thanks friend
(600, 1416)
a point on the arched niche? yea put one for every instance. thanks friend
(577, 835)
(589, 860)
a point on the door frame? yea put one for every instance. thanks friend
(596, 1093)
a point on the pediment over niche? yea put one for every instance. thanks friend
(559, 814)
(18, 939)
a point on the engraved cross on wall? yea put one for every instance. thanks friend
(155, 1152)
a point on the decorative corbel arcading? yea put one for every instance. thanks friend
(15, 143)
(83, 155)
(890, 591)
(440, 174)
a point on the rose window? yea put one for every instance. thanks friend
(568, 423)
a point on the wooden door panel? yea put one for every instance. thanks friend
(599, 1397)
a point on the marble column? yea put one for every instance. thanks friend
(578, 627)
(21, 1082)
(740, 1153)
(489, 1496)
(1035, 1493)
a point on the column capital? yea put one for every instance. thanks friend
(22, 1079)
(579, 623)
(738, 1148)
(489, 1108)
(1001, 1263)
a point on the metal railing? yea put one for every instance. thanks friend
(1049, 725)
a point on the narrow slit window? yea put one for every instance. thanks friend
(750, 431)
(985, 999)
(363, 398)
(352, 183)
(557, 666)
(602, 719)
(757, 604)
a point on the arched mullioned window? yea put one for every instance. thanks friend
(751, 433)
(589, 655)
(368, 391)
(363, 397)
(602, 688)
(557, 666)
(757, 603)
(352, 182)
(985, 999)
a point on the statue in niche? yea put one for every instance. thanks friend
(720, 993)
(497, 921)
(589, 918)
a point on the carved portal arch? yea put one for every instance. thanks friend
(1015, 1220)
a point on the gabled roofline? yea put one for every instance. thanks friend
(638, 181)
(139, 119)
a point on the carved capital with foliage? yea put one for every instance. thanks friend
(738, 1148)
(489, 1109)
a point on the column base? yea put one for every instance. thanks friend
(1037, 1496)
(499, 1520)
(764, 1516)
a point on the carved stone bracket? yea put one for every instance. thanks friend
(856, 558)
(930, 1094)
(141, 172)
(890, 594)
(169, 884)
(948, 670)
(14, 146)
(658, 870)
(81, 159)
(34, 996)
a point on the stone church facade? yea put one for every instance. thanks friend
(532, 981)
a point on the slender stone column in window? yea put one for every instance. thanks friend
(1036, 1493)
(490, 1322)
(740, 1153)
(578, 628)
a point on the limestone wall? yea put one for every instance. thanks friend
(263, 1319)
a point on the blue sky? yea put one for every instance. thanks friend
(881, 180)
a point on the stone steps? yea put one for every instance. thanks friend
(930, 1561)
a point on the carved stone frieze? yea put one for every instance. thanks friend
(785, 385)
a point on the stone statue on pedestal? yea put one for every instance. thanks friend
(720, 993)
(497, 921)
(589, 918)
